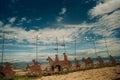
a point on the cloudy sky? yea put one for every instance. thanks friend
(88, 22)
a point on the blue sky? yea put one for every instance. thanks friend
(87, 21)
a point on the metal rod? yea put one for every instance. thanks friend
(106, 46)
(95, 47)
(75, 47)
(3, 48)
(64, 44)
(36, 48)
(57, 44)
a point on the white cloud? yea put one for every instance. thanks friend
(46, 35)
(112, 44)
(81, 28)
(59, 19)
(7, 44)
(1, 23)
(28, 56)
(23, 19)
(109, 41)
(63, 11)
(88, 52)
(28, 21)
(49, 35)
(106, 7)
(38, 19)
(105, 27)
(107, 24)
(61, 15)
(83, 25)
(20, 56)
(12, 20)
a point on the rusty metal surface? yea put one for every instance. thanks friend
(6, 71)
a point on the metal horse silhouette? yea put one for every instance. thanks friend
(61, 64)
(112, 60)
(34, 70)
(100, 60)
(88, 62)
(77, 64)
(6, 72)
